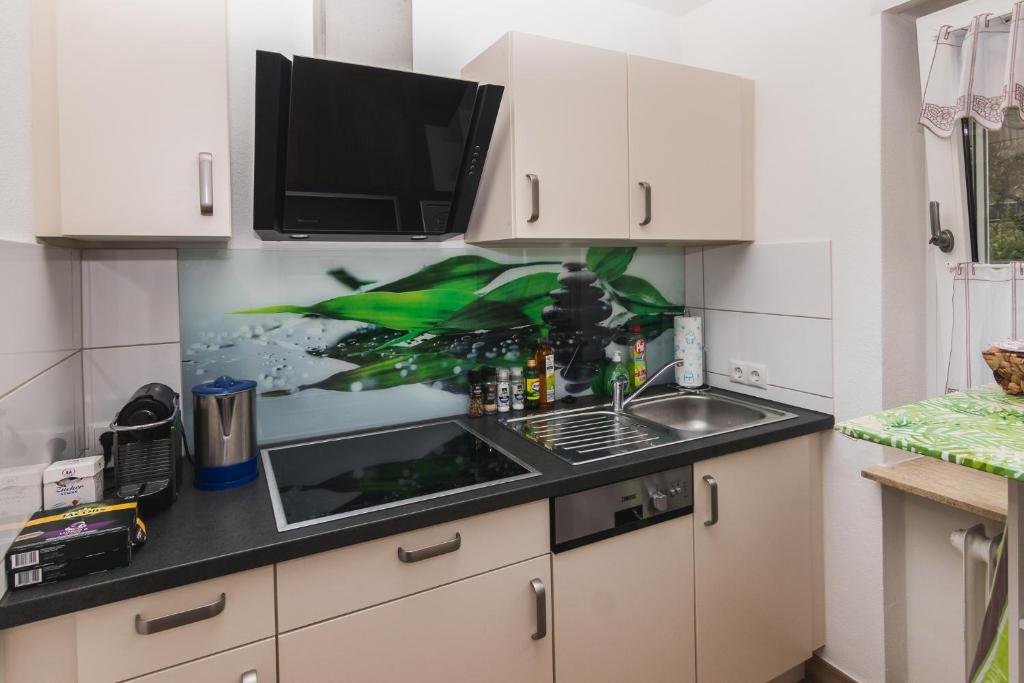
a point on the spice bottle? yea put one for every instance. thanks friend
(518, 395)
(504, 391)
(490, 392)
(545, 357)
(476, 394)
(532, 385)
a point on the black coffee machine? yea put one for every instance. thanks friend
(146, 448)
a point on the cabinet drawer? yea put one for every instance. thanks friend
(337, 582)
(111, 646)
(257, 661)
(491, 628)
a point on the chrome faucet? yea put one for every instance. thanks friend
(619, 400)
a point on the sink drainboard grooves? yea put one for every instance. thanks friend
(586, 436)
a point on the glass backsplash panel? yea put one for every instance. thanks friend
(344, 338)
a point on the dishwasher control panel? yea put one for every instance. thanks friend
(598, 513)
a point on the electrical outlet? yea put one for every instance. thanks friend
(94, 447)
(757, 375)
(738, 372)
(751, 374)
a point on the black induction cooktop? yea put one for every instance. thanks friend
(349, 475)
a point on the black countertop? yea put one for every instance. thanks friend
(207, 534)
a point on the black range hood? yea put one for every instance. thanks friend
(352, 152)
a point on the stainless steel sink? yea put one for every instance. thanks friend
(704, 414)
(589, 434)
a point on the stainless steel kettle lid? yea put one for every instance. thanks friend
(223, 386)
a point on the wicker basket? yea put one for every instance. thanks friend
(1007, 362)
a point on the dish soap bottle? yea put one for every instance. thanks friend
(532, 385)
(545, 357)
(637, 359)
(617, 370)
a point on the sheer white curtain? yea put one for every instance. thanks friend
(987, 306)
(976, 72)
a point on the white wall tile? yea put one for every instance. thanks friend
(787, 278)
(40, 301)
(40, 421)
(694, 275)
(796, 351)
(130, 296)
(799, 399)
(113, 374)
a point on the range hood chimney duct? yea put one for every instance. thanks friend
(370, 32)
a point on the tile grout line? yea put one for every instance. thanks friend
(777, 386)
(39, 374)
(777, 315)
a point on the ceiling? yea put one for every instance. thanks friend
(676, 7)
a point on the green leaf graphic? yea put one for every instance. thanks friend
(641, 297)
(419, 310)
(513, 304)
(348, 279)
(525, 288)
(466, 273)
(609, 263)
(394, 372)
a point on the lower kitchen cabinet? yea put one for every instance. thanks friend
(755, 561)
(624, 607)
(492, 627)
(256, 663)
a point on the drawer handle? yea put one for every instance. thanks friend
(542, 608)
(534, 198)
(713, 490)
(646, 187)
(250, 677)
(205, 184)
(450, 546)
(146, 627)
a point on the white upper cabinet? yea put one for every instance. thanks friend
(592, 144)
(557, 165)
(140, 90)
(690, 160)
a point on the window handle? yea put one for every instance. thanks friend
(943, 239)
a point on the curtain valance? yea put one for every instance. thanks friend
(977, 72)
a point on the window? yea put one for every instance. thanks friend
(995, 198)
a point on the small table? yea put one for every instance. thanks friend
(979, 428)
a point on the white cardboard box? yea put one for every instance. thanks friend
(72, 482)
(21, 491)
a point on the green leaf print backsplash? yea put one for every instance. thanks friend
(316, 327)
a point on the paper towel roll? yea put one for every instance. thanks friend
(689, 347)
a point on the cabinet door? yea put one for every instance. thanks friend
(754, 566)
(624, 607)
(478, 629)
(142, 92)
(690, 142)
(569, 119)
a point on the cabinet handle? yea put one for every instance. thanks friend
(646, 187)
(450, 546)
(206, 183)
(542, 608)
(146, 627)
(250, 677)
(713, 490)
(534, 198)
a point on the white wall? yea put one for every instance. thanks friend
(818, 177)
(449, 33)
(15, 123)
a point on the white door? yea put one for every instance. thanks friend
(624, 607)
(754, 563)
(690, 143)
(142, 94)
(569, 119)
(478, 629)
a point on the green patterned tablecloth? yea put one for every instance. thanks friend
(981, 428)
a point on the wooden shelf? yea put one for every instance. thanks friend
(960, 487)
